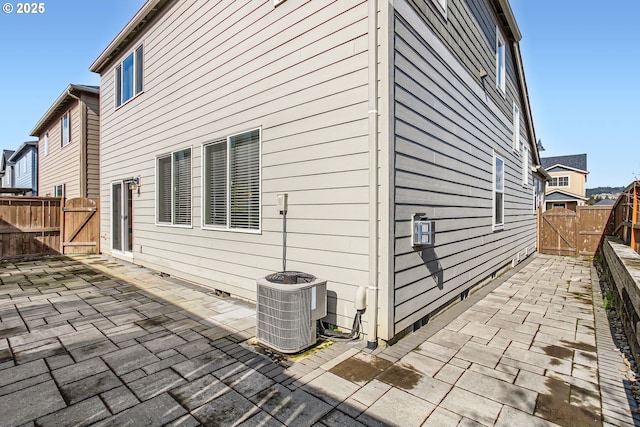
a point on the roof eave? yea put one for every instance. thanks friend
(20, 151)
(125, 35)
(64, 96)
(507, 13)
(560, 165)
(510, 19)
(542, 171)
(564, 193)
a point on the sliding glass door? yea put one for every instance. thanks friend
(121, 217)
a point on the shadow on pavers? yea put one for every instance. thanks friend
(90, 339)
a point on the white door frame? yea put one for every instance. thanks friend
(125, 219)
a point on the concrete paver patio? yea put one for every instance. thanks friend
(92, 340)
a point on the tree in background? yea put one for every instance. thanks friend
(593, 200)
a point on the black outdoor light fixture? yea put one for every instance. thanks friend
(134, 184)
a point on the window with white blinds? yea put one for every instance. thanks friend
(173, 174)
(215, 194)
(232, 182)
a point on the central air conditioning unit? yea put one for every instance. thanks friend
(288, 306)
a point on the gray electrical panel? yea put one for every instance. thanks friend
(422, 230)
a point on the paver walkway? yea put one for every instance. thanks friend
(93, 340)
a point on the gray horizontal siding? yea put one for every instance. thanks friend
(26, 177)
(445, 137)
(470, 33)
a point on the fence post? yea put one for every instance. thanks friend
(98, 238)
(539, 229)
(634, 218)
(62, 225)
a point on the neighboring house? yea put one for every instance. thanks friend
(6, 169)
(69, 140)
(605, 202)
(567, 188)
(25, 161)
(365, 113)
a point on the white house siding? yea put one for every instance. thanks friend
(447, 129)
(61, 165)
(211, 69)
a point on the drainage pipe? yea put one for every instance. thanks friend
(83, 143)
(372, 321)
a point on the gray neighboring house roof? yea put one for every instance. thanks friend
(22, 149)
(561, 196)
(606, 202)
(6, 155)
(575, 161)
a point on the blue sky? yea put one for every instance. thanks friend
(581, 59)
(41, 54)
(580, 56)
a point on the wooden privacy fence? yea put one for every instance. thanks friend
(565, 232)
(626, 223)
(33, 226)
(29, 226)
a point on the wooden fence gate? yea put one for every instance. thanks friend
(565, 232)
(558, 232)
(81, 227)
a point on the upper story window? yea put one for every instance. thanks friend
(498, 192)
(46, 143)
(515, 139)
(129, 76)
(559, 181)
(21, 167)
(65, 131)
(500, 62)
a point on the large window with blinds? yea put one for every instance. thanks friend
(173, 174)
(231, 182)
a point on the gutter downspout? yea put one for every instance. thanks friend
(372, 290)
(82, 172)
(525, 102)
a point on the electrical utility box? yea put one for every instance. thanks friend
(422, 231)
(283, 202)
